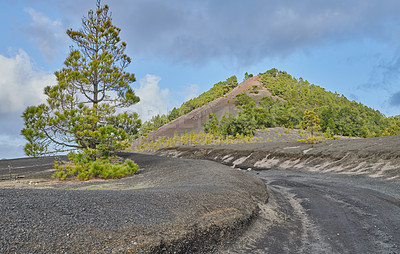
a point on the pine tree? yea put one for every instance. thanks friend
(83, 111)
(310, 123)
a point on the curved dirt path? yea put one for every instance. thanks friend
(333, 197)
(311, 212)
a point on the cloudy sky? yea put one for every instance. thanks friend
(181, 48)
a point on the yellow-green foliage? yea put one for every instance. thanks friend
(254, 89)
(84, 168)
(202, 138)
(328, 135)
(194, 139)
(311, 123)
(312, 139)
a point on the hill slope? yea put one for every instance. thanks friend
(193, 121)
(271, 99)
(340, 115)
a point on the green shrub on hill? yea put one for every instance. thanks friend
(231, 126)
(217, 91)
(342, 116)
(337, 114)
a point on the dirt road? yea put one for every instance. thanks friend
(333, 197)
(311, 212)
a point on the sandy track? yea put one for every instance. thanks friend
(311, 212)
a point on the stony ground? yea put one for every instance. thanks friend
(312, 212)
(170, 205)
(376, 157)
(332, 197)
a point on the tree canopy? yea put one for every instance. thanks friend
(83, 110)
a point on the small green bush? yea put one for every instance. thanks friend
(84, 167)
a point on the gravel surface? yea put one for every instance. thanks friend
(333, 197)
(376, 157)
(311, 212)
(171, 205)
(28, 167)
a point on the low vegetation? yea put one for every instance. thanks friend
(84, 167)
(202, 138)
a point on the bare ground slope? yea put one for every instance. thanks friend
(169, 206)
(333, 197)
(193, 121)
(376, 157)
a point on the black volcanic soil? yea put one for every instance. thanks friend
(332, 197)
(170, 205)
(313, 212)
(375, 157)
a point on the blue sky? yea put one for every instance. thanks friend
(181, 48)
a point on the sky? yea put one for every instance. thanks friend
(182, 48)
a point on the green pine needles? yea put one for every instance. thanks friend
(84, 167)
(83, 111)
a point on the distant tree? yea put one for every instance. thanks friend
(173, 114)
(82, 110)
(212, 126)
(310, 123)
(247, 76)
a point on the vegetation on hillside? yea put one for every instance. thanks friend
(202, 138)
(218, 90)
(337, 114)
(340, 115)
(301, 106)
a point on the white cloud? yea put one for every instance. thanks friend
(20, 84)
(11, 147)
(46, 34)
(191, 92)
(153, 99)
(250, 31)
